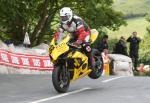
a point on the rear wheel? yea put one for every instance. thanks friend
(98, 68)
(61, 79)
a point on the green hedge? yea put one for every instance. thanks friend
(144, 51)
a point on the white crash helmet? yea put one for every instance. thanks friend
(66, 15)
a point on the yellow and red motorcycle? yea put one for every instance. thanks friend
(71, 64)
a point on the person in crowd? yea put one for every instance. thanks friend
(102, 44)
(8, 42)
(106, 61)
(121, 47)
(134, 48)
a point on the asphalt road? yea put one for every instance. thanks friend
(39, 89)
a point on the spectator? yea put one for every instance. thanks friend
(121, 47)
(106, 61)
(134, 48)
(141, 68)
(8, 42)
(103, 44)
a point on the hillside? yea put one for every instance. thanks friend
(135, 24)
(133, 10)
(132, 7)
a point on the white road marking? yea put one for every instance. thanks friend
(61, 95)
(108, 80)
(73, 92)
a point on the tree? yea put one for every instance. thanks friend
(40, 17)
(148, 19)
(18, 17)
(100, 14)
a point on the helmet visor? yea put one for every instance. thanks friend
(64, 18)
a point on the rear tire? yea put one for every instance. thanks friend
(61, 79)
(97, 69)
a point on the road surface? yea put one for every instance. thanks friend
(39, 89)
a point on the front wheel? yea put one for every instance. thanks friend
(61, 79)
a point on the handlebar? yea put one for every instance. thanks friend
(73, 45)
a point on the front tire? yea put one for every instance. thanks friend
(61, 79)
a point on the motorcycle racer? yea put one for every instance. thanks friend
(77, 27)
